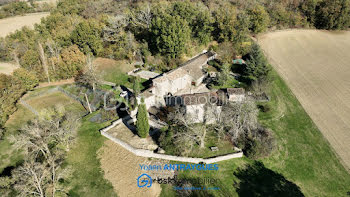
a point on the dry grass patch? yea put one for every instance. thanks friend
(114, 71)
(55, 98)
(7, 68)
(105, 64)
(11, 24)
(121, 168)
(125, 134)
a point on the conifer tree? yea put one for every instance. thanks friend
(142, 124)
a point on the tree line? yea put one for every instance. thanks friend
(15, 8)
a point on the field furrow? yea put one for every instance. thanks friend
(316, 66)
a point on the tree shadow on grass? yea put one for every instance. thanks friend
(257, 180)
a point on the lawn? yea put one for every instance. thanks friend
(211, 140)
(55, 98)
(116, 71)
(303, 162)
(8, 155)
(304, 156)
(88, 177)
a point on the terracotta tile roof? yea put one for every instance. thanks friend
(192, 68)
(160, 78)
(175, 74)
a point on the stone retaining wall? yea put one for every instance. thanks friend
(151, 154)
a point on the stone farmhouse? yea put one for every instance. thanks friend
(189, 74)
(199, 107)
(206, 107)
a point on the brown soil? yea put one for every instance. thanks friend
(316, 66)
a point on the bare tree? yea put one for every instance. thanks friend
(90, 75)
(239, 118)
(54, 51)
(41, 178)
(43, 139)
(31, 178)
(214, 115)
(192, 133)
(17, 48)
(53, 47)
(260, 86)
(114, 28)
(142, 17)
(43, 61)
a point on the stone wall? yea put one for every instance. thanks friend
(151, 154)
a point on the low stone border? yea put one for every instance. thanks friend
(151, 154)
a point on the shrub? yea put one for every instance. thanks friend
(264, 107)
(258, 144)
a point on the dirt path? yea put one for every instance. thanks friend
(316, 66)
(11, 24)
(122, 169)
(56, 83)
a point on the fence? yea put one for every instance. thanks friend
(30, 108)
(52, 90)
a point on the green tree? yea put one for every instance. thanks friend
(203, 27)
(259, 19)
(58, 27)
(87, 35)
(136, 85)
(225, 21)
(333, 14)
(170, 34)
(142, 124)
(27, 79)
(257, 67)
(71, 62)
(31, 60)
(241, 32)
(185, 10)
(198, 18)
(15, 8)
(12, 89)
(224, 77)
(308, 8)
